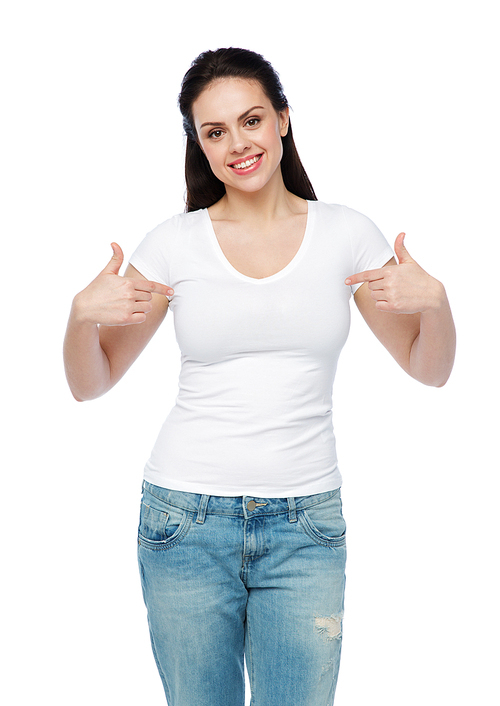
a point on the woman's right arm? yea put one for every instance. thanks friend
(103, 338)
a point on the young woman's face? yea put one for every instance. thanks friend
(240, 133)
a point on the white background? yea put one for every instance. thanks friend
(395, 114)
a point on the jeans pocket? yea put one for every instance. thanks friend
(324, 521)
(161, 526)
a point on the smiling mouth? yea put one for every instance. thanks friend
(248, 163)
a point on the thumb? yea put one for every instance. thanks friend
(113, 266)
(401, 252)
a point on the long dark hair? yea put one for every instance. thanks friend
(203, 188)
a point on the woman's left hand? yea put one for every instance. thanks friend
(402, 289)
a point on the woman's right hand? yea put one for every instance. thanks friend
(112, 300)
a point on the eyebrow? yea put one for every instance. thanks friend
(242, 117)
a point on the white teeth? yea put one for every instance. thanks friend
(248, 163)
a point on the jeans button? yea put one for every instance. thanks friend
(251, 505)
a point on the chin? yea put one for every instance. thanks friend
(252, 185)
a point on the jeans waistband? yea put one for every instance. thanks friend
(240, 506)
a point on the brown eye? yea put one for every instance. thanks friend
(215, 134)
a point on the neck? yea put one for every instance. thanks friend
(267, 204)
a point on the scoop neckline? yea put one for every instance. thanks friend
(277, 275)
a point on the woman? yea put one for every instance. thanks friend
(241, 537)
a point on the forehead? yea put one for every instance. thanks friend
(225, 99)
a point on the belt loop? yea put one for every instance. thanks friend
(202, 509)
(292, 510)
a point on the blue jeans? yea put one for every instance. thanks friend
(225, 578)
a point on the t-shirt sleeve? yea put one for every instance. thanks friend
(370, 249)
(153, 257)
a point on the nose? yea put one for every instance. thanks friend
(239, 142)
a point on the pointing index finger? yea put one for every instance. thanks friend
(153, 287)
(367, 276)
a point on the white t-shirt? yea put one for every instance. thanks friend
(254, 411)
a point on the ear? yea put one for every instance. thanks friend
(284, 119)
(199, 145)
(197, 140)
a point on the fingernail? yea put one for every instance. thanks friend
(348, 281)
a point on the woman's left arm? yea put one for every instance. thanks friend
(408, 311)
